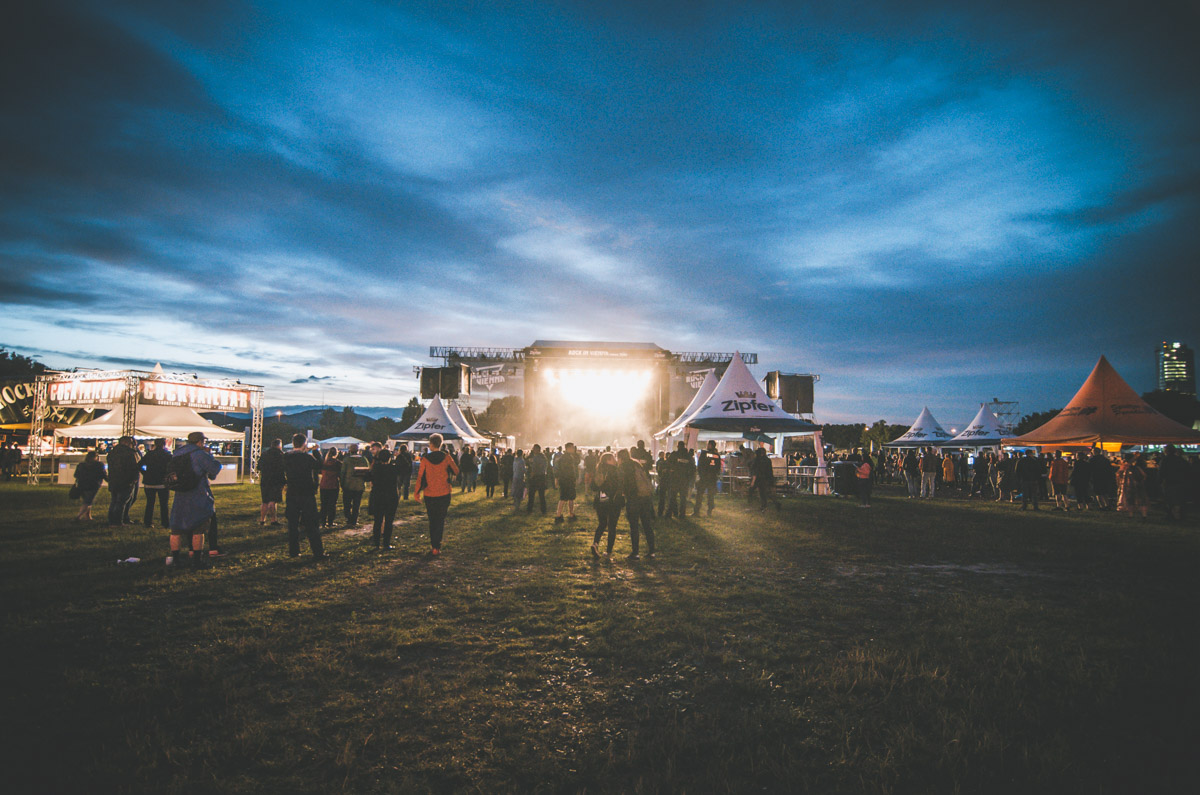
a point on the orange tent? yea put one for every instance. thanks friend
(1107, 410)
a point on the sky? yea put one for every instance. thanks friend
(928, 204)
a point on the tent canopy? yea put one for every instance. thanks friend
(339, 441)
(738, 403)
(702, 395)
(458, 418)
(984, 431)
(151, 422)
(436, 420)
(925, 432)
(1106, 409)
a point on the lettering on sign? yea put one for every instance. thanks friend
(197, 396)
(742, 406)
(1078, 411)
(488, 377)
(85, 393)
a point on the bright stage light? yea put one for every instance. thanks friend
(601, 393)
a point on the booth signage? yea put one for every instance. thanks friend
(85, 393)
(196, 396)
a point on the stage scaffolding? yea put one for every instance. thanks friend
(202, 395)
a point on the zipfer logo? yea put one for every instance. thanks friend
(742, 406)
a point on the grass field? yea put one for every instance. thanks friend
(913, 647)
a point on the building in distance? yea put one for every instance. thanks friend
(1177, 369)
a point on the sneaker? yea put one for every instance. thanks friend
(216, 553)
(650, 555)
(435, 552)
(633, 556)
(558, 520)
(595, 550)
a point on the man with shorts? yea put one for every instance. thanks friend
(194, 509)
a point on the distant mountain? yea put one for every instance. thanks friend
(297, 415)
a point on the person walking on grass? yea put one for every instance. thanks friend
(89, 474)
(607, 489)
(639, 499)
(536, 478)
(122, 481)
(154, 472)
(270, 483)
(912, 474)
(708, 471)
(353, 484)
(930, 466)
(862, 473)
(433, 480)
(520, 469)
(302, 473)
(193, 509)
(762, 480)
(404, 465)
(1029, 471)
(384, 475)
(489, 473)
(331, 471)
(566, 473)
(1060, 479)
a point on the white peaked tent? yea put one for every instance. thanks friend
(738, 403)
(436, 420)
(984, 431)
(925, 432)
(458, 418)
(703, 394)
(151, 422)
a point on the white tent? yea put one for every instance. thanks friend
(458, 418)
(925, 432)
(436, 420)
(703, 394)
(984, 431)
(151, 422)
(738, 403)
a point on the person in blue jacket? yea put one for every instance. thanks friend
(192, 511)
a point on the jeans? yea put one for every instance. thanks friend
(607, 514)
(640, 513)
(119, 502)
(328, 506)
(541, 495)
(914, 483)
(351, 500)
(163, 496)
(703, 486)
(1030, 489)
(437, 508)
(302, 509)
(928, 484)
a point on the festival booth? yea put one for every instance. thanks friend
(737, 406)
(984, 431)
(436, 419)
(147, 405)
(455, 412)
(1108, 413)
(925, 432)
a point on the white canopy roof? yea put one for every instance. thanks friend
(925, 432)
(984, 431)
(151, 422)
(738, 403)
(436, 420)
(460, 419)
(704, 393)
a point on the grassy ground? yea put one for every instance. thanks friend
(913, 647)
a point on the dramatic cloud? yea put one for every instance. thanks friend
(925, 203)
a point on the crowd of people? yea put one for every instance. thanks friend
(631, 481)
(1091, 481)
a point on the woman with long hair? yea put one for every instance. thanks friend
(607, 487)
(331, 472)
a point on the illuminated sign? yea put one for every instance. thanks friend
(85, 393)
(488, 377)
(196, 396)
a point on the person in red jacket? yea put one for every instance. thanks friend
(433, 481)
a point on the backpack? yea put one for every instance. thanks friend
(180, 474)
(641, 482)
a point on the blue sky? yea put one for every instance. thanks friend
(928, 204)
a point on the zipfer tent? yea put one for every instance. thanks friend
(151, 422)
(436, 420)
(698, 400)
(739, 404)
(984, 431)
(925, 432)
(456, 415)
(1107, 410)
